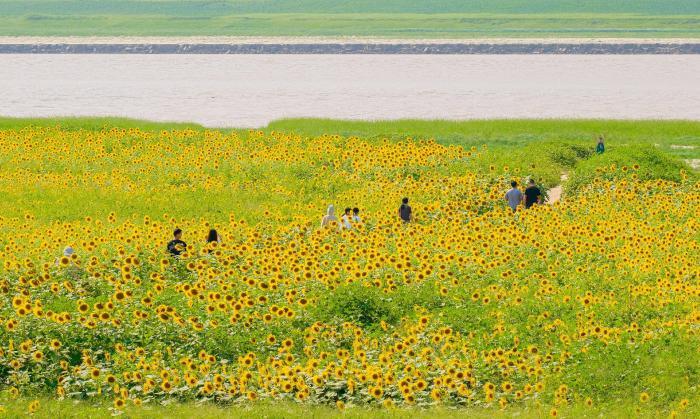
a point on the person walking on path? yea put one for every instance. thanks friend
(514, 197)
(177, 246)
(533, 194)
(600, 148)
(405, 211)
(329, 217)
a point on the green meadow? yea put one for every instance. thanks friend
(392, 19)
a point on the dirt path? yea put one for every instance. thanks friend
(555, 194)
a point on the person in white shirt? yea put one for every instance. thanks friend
(346, 219)
(330, 217)
(356, 216)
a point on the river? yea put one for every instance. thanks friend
(251, 90)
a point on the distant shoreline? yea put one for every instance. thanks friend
(267, 40)
(350, 45)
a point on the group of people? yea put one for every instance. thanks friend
(531, 196)
(177, 246)
(350, 217)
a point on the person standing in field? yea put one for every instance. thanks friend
(346, 219)
(600, 148)
(356, 216)
(67, 256)
(514, 197)
(213, 236)
(330, 217)
(533, 194)
(405, 211)
(177, 246)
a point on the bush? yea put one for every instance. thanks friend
(357, 303)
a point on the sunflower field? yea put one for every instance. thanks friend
(593, 301)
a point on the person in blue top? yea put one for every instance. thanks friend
(600, 148)
(514, 197)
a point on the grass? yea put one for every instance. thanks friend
(394, 18)
(93, 123)
(227, 7)
(509, 133)
(358, 24)
(70, 409)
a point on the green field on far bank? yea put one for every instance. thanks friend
(393, 19)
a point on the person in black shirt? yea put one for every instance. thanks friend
(533, 195)
(177, 246)
(405, 212)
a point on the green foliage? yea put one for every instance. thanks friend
(359, 304)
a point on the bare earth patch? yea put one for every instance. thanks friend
(555, 194)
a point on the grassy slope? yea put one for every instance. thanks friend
(509, 133)
(51, 408)
(442, 18)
